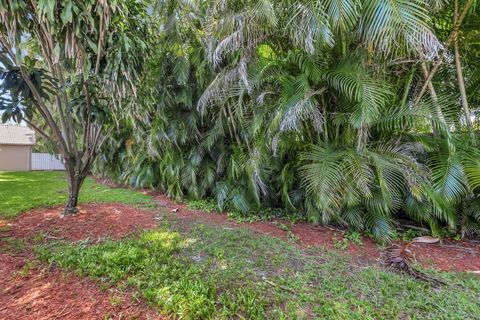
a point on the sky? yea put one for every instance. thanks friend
(10, 121)
(1, 112)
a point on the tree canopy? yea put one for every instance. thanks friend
(66, 67)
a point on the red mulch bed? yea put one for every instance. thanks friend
(448, 255)
(93, 221)
(50, 294)
(40, 293)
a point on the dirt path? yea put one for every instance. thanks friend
(29, 290)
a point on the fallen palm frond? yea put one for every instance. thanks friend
(400, 258)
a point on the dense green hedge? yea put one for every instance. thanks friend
(296, 107)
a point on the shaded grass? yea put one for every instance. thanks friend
(216, 273)
(22, 191)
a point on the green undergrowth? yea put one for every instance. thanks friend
(218, 273)
(22, 191)
(269, 214)
(264, 214)
(207, 205)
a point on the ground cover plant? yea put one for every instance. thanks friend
(209, 273)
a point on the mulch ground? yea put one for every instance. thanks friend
(93, 222)
(32, 291)
(51, 294)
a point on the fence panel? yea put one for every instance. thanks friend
(46, 161)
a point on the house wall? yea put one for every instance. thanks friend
(15, 158)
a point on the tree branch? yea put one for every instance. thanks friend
(43, 133)
(43, 109)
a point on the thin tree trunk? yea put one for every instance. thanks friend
(78, 166)
(433, 94)
(407, 86)
(461, 82)
(72, 201)
(439, 61)
(463, 93)
(75, 181)
(344, 43)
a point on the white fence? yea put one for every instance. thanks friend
(46, 161)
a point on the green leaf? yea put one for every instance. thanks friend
(66, 15)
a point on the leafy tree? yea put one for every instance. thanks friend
(65, 65)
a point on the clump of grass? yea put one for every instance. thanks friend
(11, 245)
(265, 214)
(152, 264)
(208, 205)
(26, 268)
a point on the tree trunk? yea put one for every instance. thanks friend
(439, 61)
(463, 93)
(72, 201)
(461, 82)
(78, 165)
(438, 110)
(75, 181)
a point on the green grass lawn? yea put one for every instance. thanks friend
(209, 272)
(21, 191)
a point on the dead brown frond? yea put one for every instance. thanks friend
(400, 258)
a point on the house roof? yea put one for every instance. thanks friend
(17, 135)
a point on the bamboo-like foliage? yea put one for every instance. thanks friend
(312, 107)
